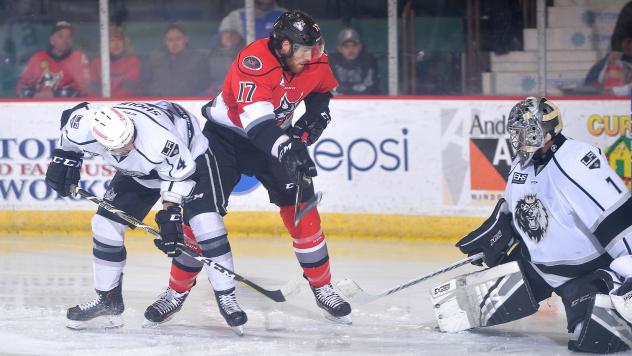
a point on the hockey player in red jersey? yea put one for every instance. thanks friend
(250, 129)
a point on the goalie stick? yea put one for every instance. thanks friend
(299, 213)
(278, 295)
(354, 292)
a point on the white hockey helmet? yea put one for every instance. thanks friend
(531, 124)
(112, 128)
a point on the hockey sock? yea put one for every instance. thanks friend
(108, 252)
(182, 278)
(309, 245)
(185, 269)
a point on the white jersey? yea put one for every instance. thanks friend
(167, 141)
(574, 213)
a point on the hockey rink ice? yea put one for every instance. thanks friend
(40, 277)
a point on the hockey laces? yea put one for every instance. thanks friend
(328, 296)
(91, 304)
(228, 302)
(168, 301)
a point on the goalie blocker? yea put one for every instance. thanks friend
(502, 294)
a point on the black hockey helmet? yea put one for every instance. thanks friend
(531, 124)
(297, 27)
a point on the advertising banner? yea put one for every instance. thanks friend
(378, 156)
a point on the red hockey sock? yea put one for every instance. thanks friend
(180, 279)
(309, 245)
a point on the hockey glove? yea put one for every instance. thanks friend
(294, 157)
(310, 126)
(494, 238)
(171, 236)
(64, 171)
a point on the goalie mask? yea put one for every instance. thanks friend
(531, 124)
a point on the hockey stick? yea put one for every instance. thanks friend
(310, 204)
(353, 291)
(278, 295)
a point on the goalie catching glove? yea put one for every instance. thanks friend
(171, 235)
(494, 238)
(64, 171)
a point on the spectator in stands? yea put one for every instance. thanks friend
(613, 73)
(231, 41)
(266, 13)
(124, 68)
(175, 69)
(58, 71)
(354, 68)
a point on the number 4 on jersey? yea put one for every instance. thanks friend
(246, 89)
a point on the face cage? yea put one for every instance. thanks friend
(527, 136)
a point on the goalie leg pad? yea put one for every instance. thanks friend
(484, 298)
(603, 330)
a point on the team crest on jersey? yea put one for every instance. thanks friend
(74, 121)
(171, 149)
(252, 62)
(284, 111)
(110, 194)
(532, 217)
(591, 160)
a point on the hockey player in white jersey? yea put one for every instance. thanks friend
(159, 152)
(564, 226)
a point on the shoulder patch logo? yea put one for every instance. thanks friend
(74, 121)
(532, 217)
(591, 160)
(519, 178)
(252, 62)
(171, 149)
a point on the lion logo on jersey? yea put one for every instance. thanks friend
(532, 217)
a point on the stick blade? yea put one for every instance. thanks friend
(291, 288)
(354, 292)
(349, 287)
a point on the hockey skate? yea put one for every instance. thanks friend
(104, 311)
(162, 310)
(230, 310)
(331, 301)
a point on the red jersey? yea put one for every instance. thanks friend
(124, 76)
(46, 74)
(257, 88)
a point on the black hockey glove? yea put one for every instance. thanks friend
(309, 127)
(294, 158)
(171, 236)
(494, 238)
(64, 171)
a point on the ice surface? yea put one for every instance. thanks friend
(40, 277)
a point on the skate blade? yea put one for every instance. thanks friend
(100, 322)
(344, 320)
(148, 324)
(239, 330)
